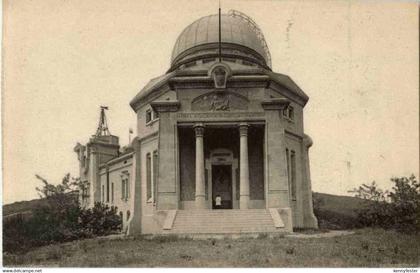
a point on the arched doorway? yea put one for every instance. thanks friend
(222, 171)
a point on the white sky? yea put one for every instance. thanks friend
(357, 61)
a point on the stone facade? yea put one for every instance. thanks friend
(213, 125)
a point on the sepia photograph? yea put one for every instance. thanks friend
(210, 134)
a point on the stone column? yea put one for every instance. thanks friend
(243, 167)
(200, 193)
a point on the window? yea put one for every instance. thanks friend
(247, 63)
(152, 169)
(293, 174)
(148, 116)
(208, 60)
(149, 177)
(128, 215)
(125, 187)
(122, 189)
(85, 191)
(151, 116)
(190, 64)
(288, 168)
(107, 186)
(289, 113)
(112, 192)
(155, 115)
(155, 172)
(103, 193)
(121, 216)
(228, 60)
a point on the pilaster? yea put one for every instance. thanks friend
(277, 182)
(309, 220)
(134, 226)
(167, 197)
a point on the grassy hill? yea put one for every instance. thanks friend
(363, 248)
(26, 206)
(21, 207)
(335, 211)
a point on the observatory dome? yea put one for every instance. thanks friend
(239, 33)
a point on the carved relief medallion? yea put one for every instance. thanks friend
(219, 101)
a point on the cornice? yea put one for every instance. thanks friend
(165, 106)
(197, 79)
(210, 50)
(117, 160)
(275, 104)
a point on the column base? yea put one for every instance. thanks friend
(244, 202)
(200, 202)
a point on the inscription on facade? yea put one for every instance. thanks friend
(221, 115)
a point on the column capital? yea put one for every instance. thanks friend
(243, 129)
(199, 129)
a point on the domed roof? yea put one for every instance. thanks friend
(239, 30)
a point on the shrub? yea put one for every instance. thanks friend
(397, 209)
(59, 218)
(100, 220)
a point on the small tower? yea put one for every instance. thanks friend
(101, 148)
(103, 124)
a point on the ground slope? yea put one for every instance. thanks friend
(364, 248)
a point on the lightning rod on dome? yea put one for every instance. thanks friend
(220, 33)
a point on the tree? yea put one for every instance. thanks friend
(398, 209)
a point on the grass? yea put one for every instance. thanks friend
(364, 248)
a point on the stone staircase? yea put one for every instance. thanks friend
(226, 221)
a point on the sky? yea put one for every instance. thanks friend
(357, 61)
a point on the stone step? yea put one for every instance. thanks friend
(223, 221)
(223, 215)
(229, 211)
(221, 231)
(222, 226)
(205, 230)
(236, 222)
(225, 228)
(223, 210)
(233, 222)
(223, 218)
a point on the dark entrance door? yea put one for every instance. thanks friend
(222, 185)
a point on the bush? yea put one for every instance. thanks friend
(59, 218)
(100, 220)
(398, 209)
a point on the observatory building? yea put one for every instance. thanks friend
(219, 147)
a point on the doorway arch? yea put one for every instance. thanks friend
(217, 166)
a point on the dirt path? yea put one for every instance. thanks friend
(329, 234)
